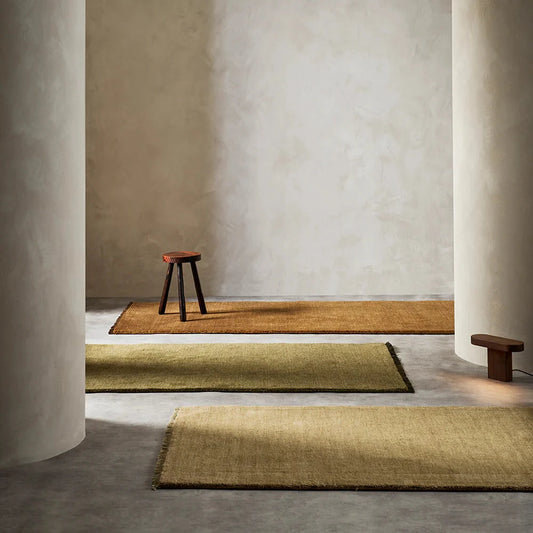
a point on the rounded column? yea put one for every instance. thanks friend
(42, 216)
(493, 174)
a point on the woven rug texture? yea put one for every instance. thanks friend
(238, 367)
(401, 317)
(345, 447)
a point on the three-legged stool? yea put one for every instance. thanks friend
(178, 258)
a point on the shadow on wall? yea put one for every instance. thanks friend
(150, 145)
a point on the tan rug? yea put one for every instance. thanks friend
(416, 317)
(387, 448)
(244, 367)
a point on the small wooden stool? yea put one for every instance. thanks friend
(500, 356)
(178, 258)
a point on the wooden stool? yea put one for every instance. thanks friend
(500, 357)
(178, 258)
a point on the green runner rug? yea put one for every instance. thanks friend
(244, 367)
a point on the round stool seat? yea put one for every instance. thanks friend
(181, 257)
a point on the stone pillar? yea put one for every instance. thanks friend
(42, 220)
(493, 173)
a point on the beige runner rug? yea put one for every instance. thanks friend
(372, 367)
(407, 317)
(341, 447)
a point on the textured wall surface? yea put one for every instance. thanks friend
(303, 147)
(42, 220)
(493, 173)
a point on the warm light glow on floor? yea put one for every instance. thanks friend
(489, 391)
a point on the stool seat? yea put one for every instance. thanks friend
(178, 258)
(181, 257)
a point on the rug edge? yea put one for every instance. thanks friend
(353, 488)
(156, 478)
(112, 329)
(273, 391)
(399, 367)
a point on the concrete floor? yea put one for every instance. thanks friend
(104, 484)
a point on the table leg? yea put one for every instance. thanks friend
(500, 365)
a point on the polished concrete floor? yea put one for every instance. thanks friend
(104, 484)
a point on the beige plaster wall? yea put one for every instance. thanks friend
(303, 147)
(42, 221)
(493, 173)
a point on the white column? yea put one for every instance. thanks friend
(42, 219)
(493, 173)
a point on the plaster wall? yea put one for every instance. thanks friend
(493, 174)
(42, 220)
(303, 147)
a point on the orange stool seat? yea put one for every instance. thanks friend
(181, 257)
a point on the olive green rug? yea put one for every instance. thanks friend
(244, 367)
(402, 317)
(350, 448)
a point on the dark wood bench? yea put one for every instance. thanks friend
(500, 358)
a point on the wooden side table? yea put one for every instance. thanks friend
(500, 354)
(178, 258)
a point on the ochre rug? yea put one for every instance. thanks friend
(416, 317)
(244, 367)
(341, 447)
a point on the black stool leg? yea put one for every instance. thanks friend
(198, 288)
(181, 293)
(166, 287)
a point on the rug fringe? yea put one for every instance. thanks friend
(407, 389)
(163, 452)
(399, 367)
(353, 488)
(112, 330)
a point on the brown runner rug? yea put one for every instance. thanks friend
(352, 448)
(408, 317)
(372, 367)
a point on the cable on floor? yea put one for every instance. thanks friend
(523, 371)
